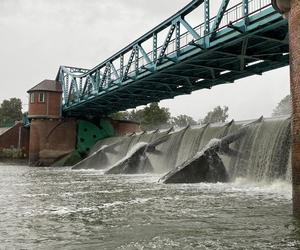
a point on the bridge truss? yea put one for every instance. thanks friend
(246, 39)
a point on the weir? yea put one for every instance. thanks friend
(263, 151)
(221, 49)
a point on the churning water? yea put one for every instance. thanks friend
(264, 151)
(65, 209)
(48, 208)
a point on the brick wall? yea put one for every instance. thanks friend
(294, 36)
(125, 127)
(49, 108)
(50, 140)
(16, 137)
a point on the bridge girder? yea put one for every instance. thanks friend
(218, 51)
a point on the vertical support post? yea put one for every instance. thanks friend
(108, 75)
(88, 85)
(80, 86)
(245, 11)
(67, 89)
(177, 39)
(206, 17)
(294, 40)
(97, 79)
(121, 66)
(207, 23)
(62, 82)
(154, 47)
(137, 58)
(20, 136)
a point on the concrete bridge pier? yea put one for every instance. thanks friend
(291, 10)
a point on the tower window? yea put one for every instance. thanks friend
(32, 98)
(41, 97)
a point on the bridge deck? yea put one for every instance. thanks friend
(248, 39)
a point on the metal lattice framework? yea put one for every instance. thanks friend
(246, 39)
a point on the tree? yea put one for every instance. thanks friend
(10, 111)
(284, 107)
(134, 115)
(217, 115)
(154, 116)
(150, 117)
(119, 115)
(183, 121)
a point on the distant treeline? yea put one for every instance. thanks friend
(10, 112)
(153, 116)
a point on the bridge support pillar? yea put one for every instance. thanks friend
(294, 36)
(291, 10)
(50, 139)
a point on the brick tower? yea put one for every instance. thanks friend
(45, 100)
(291, 11)
(51, 136)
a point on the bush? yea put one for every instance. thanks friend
(12, 153)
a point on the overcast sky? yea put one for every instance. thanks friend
(37, 36)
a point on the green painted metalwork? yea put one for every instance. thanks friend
(89, 133)
(25, 120)
(246, 39)
(219, 18)
(207, 17)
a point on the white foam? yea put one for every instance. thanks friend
(130, 202)
(281, 188)
(134, 149)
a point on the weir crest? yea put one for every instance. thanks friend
(261, 154)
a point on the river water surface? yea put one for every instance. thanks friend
(43, 208)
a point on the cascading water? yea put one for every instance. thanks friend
(101, 210)
(264, 151)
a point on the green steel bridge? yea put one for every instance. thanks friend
(175, 58)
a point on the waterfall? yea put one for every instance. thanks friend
(264, 151)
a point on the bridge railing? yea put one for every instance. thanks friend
(232, 15)
(81, 84)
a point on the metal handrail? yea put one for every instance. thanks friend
(231, 15)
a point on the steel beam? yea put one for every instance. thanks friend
(218, 18)
(253, 40)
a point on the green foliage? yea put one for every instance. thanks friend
(217, 115)
(133, 115)
(284, 107)
(154, 116)
(12, 153)
(136, 115)
(183, 121)
(119, 115)
(10, 111)
(151, 117)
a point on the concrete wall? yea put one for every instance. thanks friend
(50, 108)
(16, 137)
(51, 139)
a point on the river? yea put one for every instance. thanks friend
(48, 208)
